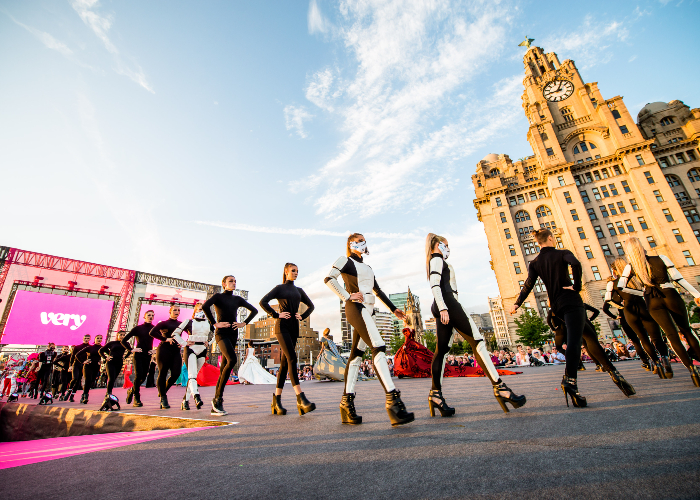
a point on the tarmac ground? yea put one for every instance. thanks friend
(645, 446)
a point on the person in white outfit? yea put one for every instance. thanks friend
(252, 372)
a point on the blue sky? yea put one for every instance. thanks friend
(200, 139)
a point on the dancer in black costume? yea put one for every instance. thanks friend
(143, 351)
(226, 305)
(60, 373)
(89, 357)
(664, 302)
(75, 368)
(552, 265)
(113, 355)
(167, 354)
(559, 328)
(46, 361)
(360, 284)
(289, 297)
(634, 316)
(452, 318)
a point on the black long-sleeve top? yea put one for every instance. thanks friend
(62, 361)
(47, 359)
(114, 349)
(226, 305)
(552, 266)
(288, 296)
(169, 326)
(92, 352)
(592, 309)
(141, 333)
(75, 350)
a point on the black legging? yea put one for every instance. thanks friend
(141, 362)
(76, 376)
(89, 373)
(227, 347)
(287, 338)
(665, 310)
(168, 358)
(114, 367)
(638, 318)
(589, 339)
(458, 321)
(634, 338)
(150, 378)
(575, 321)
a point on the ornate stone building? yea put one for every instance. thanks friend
(595, 178)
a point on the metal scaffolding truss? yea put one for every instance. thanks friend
(156, 279)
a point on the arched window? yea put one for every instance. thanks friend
(495, 172)
(694, 175)
(583, 147)
(667, 121)
(543, 211)
(522, 216)
(673, 180)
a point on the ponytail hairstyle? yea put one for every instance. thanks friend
(284, 273)
(542, 235)
(430, 241)
(352, 238)
(197, 307)
(638, 258)
(619, 267)
(223, 281)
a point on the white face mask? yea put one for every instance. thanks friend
(444, 249)
(360, 246)
(199, 315)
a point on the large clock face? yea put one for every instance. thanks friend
(558, 90)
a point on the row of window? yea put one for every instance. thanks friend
(679, 158)
(596, 175)
(522, 198)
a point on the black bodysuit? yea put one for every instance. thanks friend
(142, 360)
(226, 305)
(288, 297)
(91, 369)
(167, 354)
(77, 366)
(116, 350)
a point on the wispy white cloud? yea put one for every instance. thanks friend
(300, 232)
(406, 127)
(589, 44)
(316, 22)
(100, 26)
(294, 118)
(47, 39)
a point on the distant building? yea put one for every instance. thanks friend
(308, 345)
(486, 320)
(430, 326)
(400, 300)
(385, 324)
(345, 327)
(500, 323)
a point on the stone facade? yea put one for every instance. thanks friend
(595, 178)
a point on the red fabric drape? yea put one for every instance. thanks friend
(128, 384)
(414, 360)
(209, 375)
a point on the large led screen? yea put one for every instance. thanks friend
(39, 318)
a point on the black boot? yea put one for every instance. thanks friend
(620, 382)
(71, 398)
(348, 415)
(304, 405)
(164, 402)
(443, 408)
(84, 399)
(568, 385)
(599, 368)
(217, 407)
(198, 401)
(185, 404)
(396, 409)
(647, 365)
(666, 363)
(695, 375)
(137, 400)
(505, 395)
(276, 407)
(129, 396)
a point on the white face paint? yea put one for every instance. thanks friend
(444, 249)
(359, 246)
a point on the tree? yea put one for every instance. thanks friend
(531, 329)
(396, 342)
(493, 345)
(430, 340)
(598, 330)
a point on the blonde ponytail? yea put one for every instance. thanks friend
(430, 241)
(638, 259)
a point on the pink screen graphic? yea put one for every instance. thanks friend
(39, 318)
(162, 313)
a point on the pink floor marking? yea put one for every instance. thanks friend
(29, 452)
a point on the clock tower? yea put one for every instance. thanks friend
(593, 180)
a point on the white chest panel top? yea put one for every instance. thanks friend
(200, 331)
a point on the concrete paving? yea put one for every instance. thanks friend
(645, 446)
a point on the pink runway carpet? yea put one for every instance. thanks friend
(30, 452)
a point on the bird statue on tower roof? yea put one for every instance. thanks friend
(527, 42)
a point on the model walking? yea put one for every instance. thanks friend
(252, 372)
(194, 353)
(452, 318)
(75, 369)
(226, 306)
(143, 351)
(552, 265)
(635, 319)
(664, 302)
(168, 353)
(60, 373)
(360, 284)
(289, 297)
(89, 358)
(113, 355)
